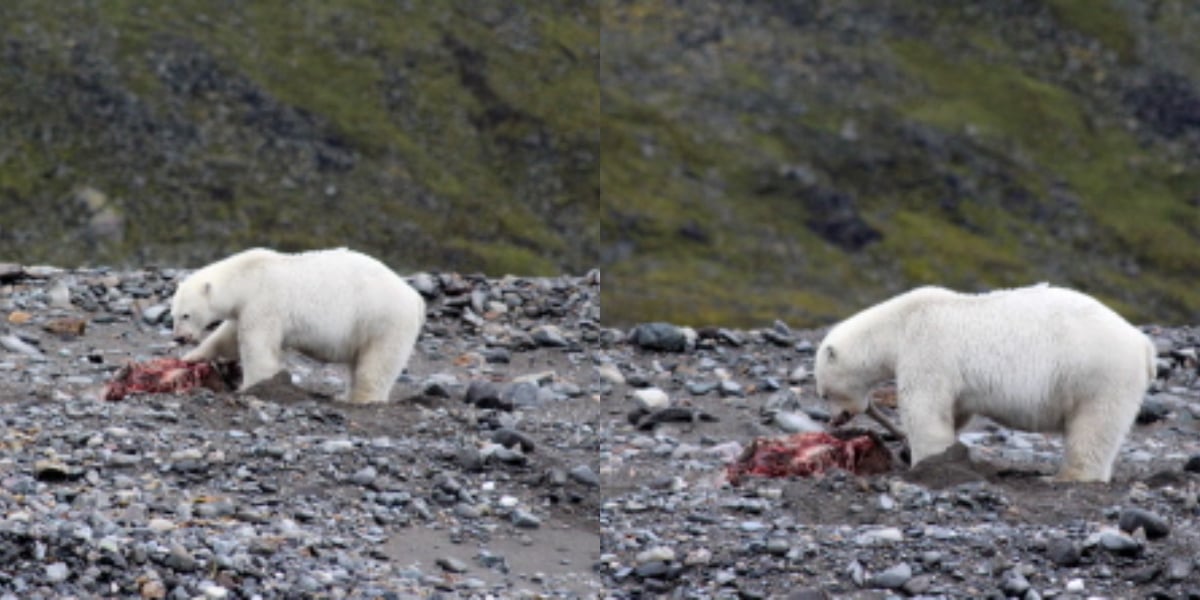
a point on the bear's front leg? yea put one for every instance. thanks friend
(222, 343)
(929, 424)
(260, 349)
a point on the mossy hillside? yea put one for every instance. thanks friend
(429, 186)
(982, 161)
(1140, 213)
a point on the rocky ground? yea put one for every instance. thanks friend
(982, 522)
(531, 452)
(480, 479)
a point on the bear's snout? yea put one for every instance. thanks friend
(182, 338)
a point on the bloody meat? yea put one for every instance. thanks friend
(170, 376)
(807, 454)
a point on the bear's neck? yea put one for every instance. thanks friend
(882, 330)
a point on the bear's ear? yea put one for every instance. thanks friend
(830, 354)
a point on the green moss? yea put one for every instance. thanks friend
(1100, 20)
(997, 101)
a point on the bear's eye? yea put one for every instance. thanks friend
(185, 316)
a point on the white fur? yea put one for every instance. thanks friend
(1039, 358)
(336, 306)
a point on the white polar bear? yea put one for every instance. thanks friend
(1039, 358)
(336, 306)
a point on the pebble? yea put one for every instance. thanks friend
(892, 578)
(549, 336)
(657, 553)
(336, 446)
(525, 519)
(153, 315)
(730, 387)
(1013, 583)
(57, 572)
(1179, 568)
(793, 422)
(884, 535)
(364, 476)
(611, 374)
(585, 475)
(1119, 543)
(651, 399)
(13, 343)
(451, 564)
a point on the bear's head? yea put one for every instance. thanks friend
(192, 309)
(841, 383)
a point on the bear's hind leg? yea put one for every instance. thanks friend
(1093, 437)
(373, 374)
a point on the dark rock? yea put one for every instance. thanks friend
(1193, 464)
(672, 414)
(1155, 526)
(510, 437)
(484, 394)
(1119, 543)
(1152, 410)
(659, 336)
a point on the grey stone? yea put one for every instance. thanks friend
(451, 564)
(730, 387)
(525, 519)
(1119, 543)
(57, 572)
(1063, 552)
(1180, 568)
(549, 336)
(585, 475)
(364, 476)
(1013, 583)
(892, 578)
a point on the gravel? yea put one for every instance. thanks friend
(987, 522)
(285, 492)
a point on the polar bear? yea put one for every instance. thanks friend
(1039, 358)
(336, 306)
